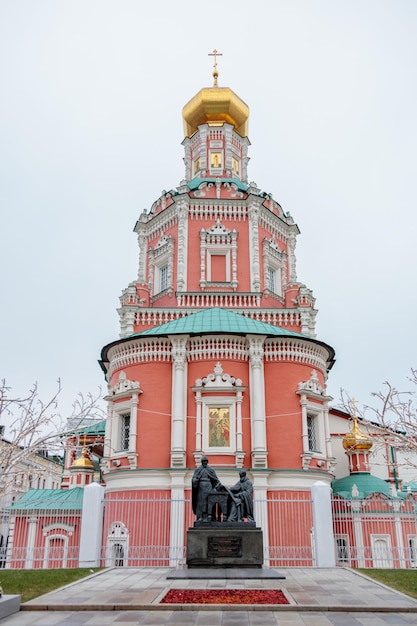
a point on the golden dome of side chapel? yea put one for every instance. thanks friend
(356, 439)
(83, 462)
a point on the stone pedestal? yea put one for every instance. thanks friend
(225, 544)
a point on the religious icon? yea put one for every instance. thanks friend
(219, 427)
(216, 159)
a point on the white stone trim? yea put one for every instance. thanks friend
(296, 350)
(218, 347)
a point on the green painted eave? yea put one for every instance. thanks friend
(365, 482)
(50, 500)
(94, 429)
(196, 182)
(217, 321)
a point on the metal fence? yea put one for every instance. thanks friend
(149, 529)
(376, 532)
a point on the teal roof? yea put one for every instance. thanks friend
(217, 321)
(365, 483)
(49, 500)
(95, 429)
(196, 182)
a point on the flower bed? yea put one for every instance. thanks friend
(224, 596)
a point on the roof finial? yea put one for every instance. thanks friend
(215, 54)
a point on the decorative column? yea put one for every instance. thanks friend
(257, 400)
(291, 258)
(396, 506)
(182, 246)
(203, 250)
(179, 399)
(253, 213)
(358, 534)
(142, 258)
(32, 523)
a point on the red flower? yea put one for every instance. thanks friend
(225, 596)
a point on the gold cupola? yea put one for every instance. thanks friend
(83, 462)
(356, 439)
(215, 106)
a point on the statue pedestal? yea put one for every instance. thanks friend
(224, 544)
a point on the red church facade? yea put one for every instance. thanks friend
(218, 356)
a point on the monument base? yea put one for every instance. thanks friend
(225, 544)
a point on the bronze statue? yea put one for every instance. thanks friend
(241, 504)
(203, 482)
(234, 504)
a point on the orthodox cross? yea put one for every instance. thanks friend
(215, 54)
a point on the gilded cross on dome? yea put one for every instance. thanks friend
(215, 54)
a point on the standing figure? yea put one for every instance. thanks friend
(242, 504)
(203, 482)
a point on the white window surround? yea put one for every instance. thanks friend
(123, 399)
(218, 252)
(161, 265)
(222, 402)
(214, 391)
(218, 240)
(64, 539)
(274, 260)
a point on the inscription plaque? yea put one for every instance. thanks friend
(224, 546)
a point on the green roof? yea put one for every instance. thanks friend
(365, 483)
(49, 500)
(217, 321)
(196, 182)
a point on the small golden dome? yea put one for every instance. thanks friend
(357, 439)
(83, 462)
(215, 106)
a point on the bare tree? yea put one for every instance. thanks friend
(393, 418)
(31, 427)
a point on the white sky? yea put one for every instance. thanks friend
(90, 133)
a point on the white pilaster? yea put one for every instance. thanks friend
(179, 400)
(32, 523)
(253, 213)
(257, 400)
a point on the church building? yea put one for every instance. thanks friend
(218, 357)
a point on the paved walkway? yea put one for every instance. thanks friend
(131, 596)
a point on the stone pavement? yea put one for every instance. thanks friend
(131, 596)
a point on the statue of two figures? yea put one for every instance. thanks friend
(212, 501)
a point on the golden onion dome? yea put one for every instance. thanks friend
(356, 439)
(215, 106)
(83, 462)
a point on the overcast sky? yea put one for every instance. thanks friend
(91, 131)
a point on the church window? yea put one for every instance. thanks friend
(219, 267)
(124, 431)
(274, 260)
(216, 160)
(271, 278)
(312, 434)
(163, 277)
